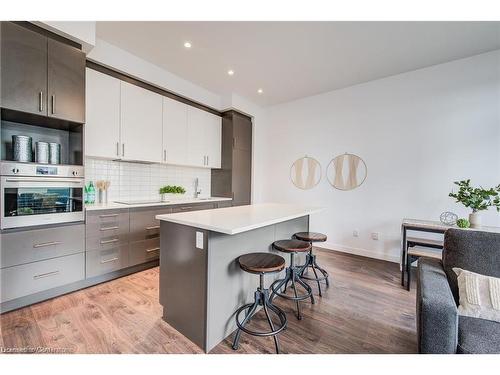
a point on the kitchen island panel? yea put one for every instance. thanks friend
(183, 280)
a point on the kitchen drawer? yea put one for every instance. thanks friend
(144, 225)
(194, 207)
(223, 204)
(100, 262)
(104, 241)
(40, 244)
(107, 223)
(26, 279)
(144, 251)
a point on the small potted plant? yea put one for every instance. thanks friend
(477, 199)
(170, 191)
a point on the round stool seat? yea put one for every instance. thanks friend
(261, 262)
(310, 236)
(292, 246)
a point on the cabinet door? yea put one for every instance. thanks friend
(141, 124)
(24, 69)
(175, 132)
(102, 127)
(213, 136)
(197, 124)
(66, 82)
(242, 132)
(242, 177)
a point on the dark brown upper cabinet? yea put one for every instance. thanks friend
(41, 75)
(23, 69)
(234, 179)
(66, 82)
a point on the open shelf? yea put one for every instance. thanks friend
(70, 137)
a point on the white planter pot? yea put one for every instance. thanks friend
(167, 197)
(475, 219)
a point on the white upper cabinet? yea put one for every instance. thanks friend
(127, 122)
(204, 138)
(141, 124)
(102, 128)
(214, 140)
(196, 137)
(175, 132)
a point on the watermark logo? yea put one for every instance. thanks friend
(35, 350)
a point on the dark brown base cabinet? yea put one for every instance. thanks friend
(234, 179)
(40, 75)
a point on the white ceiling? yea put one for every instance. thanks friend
(290, 60)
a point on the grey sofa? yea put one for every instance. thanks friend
(439, 327)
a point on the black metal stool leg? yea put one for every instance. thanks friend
(275, 337)
(262, 298)
(307, 288)
(325, 274)
(299, 314)
(252, 307)
(319, 285)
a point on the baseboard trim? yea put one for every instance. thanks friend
(358, 251)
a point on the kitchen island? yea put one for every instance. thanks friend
(201, 284)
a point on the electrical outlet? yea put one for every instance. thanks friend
(375, 236)
(355, 233)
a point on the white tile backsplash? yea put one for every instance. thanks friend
(134, 181)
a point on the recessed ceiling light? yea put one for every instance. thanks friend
(260, 91)
(230, 72)
(187, 44)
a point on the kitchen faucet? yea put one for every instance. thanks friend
(197, 191)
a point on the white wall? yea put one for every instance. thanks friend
(417, 132)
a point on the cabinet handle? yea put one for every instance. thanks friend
(108, 215)
(123, 149)
(151, 228)
(207, 160)
(109, 241)
(45, 244)
(151, 250)
(108, 260)
(41, 276)
(186, 208)
(164, 155)
(108, 228)
(40, 101)
(53, 98)
(117, 148)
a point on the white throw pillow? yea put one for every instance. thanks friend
(479, 295)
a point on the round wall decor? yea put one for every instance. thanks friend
(346, 171)
(305, 173)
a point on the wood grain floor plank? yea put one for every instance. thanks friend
(365, 310)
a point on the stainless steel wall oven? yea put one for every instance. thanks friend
(40, 194)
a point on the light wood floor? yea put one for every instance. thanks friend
(365, 310)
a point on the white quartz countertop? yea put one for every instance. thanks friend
(234, 220)
(173, 202)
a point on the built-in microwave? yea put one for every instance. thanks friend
(34, 195)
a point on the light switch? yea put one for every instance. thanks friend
(199, 240)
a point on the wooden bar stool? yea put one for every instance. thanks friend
(311, 258)
(292, 273)
(261, 264)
